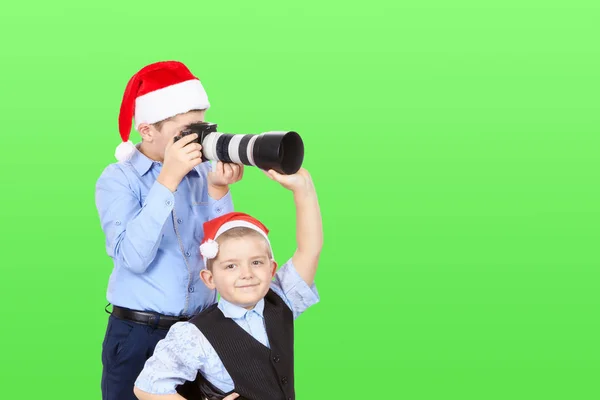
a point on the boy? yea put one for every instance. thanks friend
(242, 346)
(152, 205)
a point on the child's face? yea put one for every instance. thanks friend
(242, 271)
(159, 139)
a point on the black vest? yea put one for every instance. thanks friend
(258, 373)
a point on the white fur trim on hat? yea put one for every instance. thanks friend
(240, 224)
(167, 102)
(124, 151)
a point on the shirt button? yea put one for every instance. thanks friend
(179, 220)
(284, 380)
(117, 222)
(218, 209)
(191, 289)
(169, 203)
(187, 253)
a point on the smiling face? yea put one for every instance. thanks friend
(243, 269)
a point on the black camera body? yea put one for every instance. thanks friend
(282, 151)
(200, 128)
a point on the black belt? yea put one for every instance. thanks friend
(147, 318)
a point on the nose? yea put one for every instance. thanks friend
(246, 272)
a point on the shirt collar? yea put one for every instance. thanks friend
(140, 162)
(233, 311)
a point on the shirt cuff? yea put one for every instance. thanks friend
(298, 294)
(222, 206)
(291, 280)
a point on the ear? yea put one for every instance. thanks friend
(207, 278)
(147, 132)
(274, 270)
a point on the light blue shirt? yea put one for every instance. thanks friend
(185, 351)
(153, 236)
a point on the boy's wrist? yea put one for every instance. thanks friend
(168, 181)
(304, 194)
(217, 191)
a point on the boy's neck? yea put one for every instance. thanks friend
(153, 155)
(248, 308)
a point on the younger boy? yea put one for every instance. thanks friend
(244, 344)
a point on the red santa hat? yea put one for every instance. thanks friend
(157, 92)
(217, 226)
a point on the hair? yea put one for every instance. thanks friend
(158, 125)
(237, 233)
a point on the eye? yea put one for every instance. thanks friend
(230, 266)
(257, 262)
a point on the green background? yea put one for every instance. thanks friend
(454, 145)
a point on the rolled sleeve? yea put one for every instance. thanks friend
(294, 291)
(219, 207)
(177, 358)
(222, 206)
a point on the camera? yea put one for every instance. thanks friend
(282, 151)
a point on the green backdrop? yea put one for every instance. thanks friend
(454, 145)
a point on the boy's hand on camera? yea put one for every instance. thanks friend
(179, 159)
(225, 174)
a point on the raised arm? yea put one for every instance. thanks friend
(309, 225)
(219, 177)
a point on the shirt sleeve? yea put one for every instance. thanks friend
(294, 291)
(218, 207)
(177, 358)
(133, 230)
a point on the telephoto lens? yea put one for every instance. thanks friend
(282, 151)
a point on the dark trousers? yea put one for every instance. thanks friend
(126, 347)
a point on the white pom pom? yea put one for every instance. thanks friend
(209, 249)
(124, 151)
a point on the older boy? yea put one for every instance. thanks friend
(152, 205)
(244, 344)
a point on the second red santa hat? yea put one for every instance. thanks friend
(209, 248)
